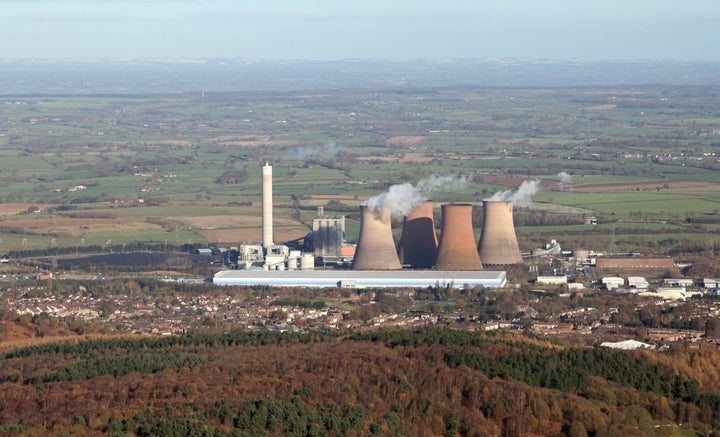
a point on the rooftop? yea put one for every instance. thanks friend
(361, 278)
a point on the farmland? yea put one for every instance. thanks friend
(99, 170)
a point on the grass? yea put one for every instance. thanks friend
(54, 142)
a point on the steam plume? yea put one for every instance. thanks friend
(521, 197)
(326, 151)
(564, 177)
(403, 198)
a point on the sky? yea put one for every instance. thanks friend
(367, 29)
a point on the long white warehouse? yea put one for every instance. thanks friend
(361, 278)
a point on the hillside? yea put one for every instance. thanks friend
(431, 381)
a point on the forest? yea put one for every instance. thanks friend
(426, 381)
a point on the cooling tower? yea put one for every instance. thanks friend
(376, 247)
(418, 242)
(457, 250)
(498, 244)
(267, 206)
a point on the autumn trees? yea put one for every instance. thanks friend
(428, 381)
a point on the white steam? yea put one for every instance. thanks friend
(326, 151)
(564, 177)
(521, 197)
(403, 198)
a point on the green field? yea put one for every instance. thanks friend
(179, 159)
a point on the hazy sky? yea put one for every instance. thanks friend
(368, 29)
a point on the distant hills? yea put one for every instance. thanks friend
(119, 76)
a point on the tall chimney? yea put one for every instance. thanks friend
(418, 242)
(498, 244)
(376, 247)
(267, 206)
(457, 250)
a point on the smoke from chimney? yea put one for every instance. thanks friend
(564, 177)
(401, 199)
(326, 151)
(521, 197)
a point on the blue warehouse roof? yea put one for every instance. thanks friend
(361, 278)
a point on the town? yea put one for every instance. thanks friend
(654, 312)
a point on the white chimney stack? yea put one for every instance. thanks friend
(267, 206)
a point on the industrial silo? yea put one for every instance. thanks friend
(498, 244)
(418, 242)
(457, 249)
(376, 247)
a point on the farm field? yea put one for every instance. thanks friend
(178, 168)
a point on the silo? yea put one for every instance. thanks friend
(376, 247)
(418, 242)
(457, 250)
(498, 244)
(292, 263)
(307, 262)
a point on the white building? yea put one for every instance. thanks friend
(638, 282)
(551, 280)
(613, 282)
(711, 283)
(681, 282)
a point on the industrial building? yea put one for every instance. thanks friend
(613, 282)
(551, 280)
(454, 260)
(638, 282)
(362, 278)
(635, 263)
(328, 236)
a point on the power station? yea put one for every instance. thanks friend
(455, 259)
(328, 236)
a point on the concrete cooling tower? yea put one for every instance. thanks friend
(418, 242)
(376, 247)
(457, 250)
(498, 244)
